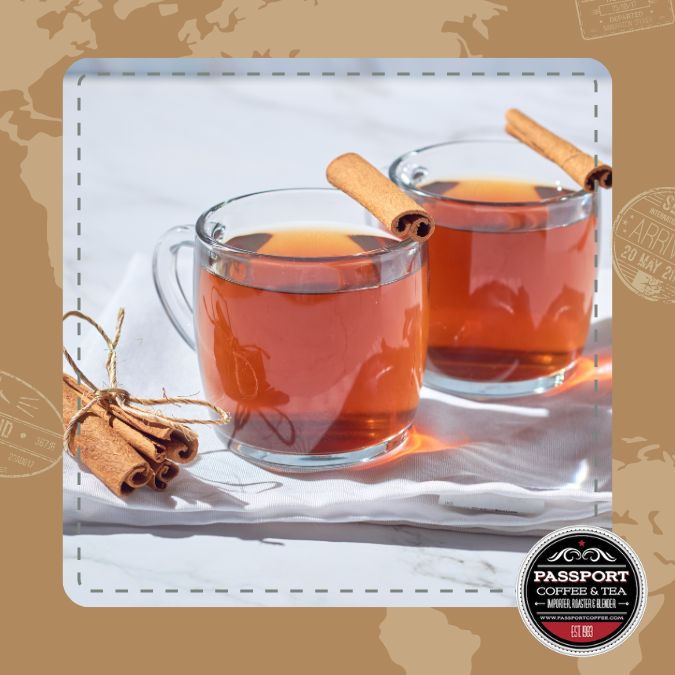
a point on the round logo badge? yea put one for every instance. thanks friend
(582, 591)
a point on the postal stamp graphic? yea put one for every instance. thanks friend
(602, 18)
(27, 447)
(644, 245)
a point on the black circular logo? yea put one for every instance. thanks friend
(582, 591)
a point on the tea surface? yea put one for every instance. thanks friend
(510, 297)
(305, 370)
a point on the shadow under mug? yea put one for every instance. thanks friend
(319, 360)
(511, 282)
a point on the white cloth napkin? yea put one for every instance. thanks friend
(525, 466)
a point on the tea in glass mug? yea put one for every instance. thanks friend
(310, 325)
(511, 266)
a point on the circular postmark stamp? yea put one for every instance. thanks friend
(644, 244)
(582, 591)
(31, 429)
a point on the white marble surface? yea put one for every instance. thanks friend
(158, 150)
(291, 565)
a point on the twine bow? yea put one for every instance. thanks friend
(115, 395)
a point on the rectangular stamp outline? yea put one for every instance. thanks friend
(585, 14)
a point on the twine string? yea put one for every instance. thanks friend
(117, 396)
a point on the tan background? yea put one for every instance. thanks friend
(38, 41)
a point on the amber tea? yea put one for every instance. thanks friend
(510, 290)
(312, 343)
(309, 319)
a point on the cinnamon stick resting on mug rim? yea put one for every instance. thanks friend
(575, 162)
(358, 178)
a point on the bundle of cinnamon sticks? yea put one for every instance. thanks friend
(125, 451)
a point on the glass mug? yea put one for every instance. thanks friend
(511, 266)
(309, 323)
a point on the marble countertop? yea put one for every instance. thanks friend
(291, 565)
(144, 153)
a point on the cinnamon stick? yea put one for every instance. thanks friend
(182, 449)
(153, 440)
(355, 176)
(178, 444)
(162, 474)
(103, 450)
(579, 165)
(135, 438)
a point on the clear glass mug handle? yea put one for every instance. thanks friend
(168, 285)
